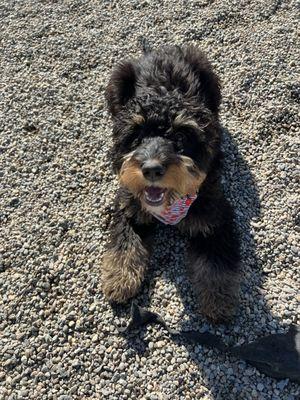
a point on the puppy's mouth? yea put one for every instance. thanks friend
(154, 196)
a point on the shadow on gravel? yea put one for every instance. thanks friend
(253, 319)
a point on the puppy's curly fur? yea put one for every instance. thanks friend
(167, 136)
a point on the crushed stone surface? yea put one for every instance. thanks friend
(58, 336)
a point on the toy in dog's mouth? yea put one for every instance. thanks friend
(154, 196)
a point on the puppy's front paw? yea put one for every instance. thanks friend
(121, 278)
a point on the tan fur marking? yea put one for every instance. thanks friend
(183, 120)
(123, 273)
(181, 180)
(132, 177)
(138, 119)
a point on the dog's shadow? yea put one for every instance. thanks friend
(167, 278)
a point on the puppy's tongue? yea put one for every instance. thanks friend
(154, 193)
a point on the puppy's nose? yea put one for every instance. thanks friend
(153, 170)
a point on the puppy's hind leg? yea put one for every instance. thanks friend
(124, 262)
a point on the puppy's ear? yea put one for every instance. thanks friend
(210, 83)
(121, 86)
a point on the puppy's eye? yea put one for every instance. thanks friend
(189, 144)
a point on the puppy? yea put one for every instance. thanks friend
(166, 152)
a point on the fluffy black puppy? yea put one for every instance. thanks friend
(167, 154)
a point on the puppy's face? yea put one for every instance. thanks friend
(165, 126)
(160, 167)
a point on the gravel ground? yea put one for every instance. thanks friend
(58, 337)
